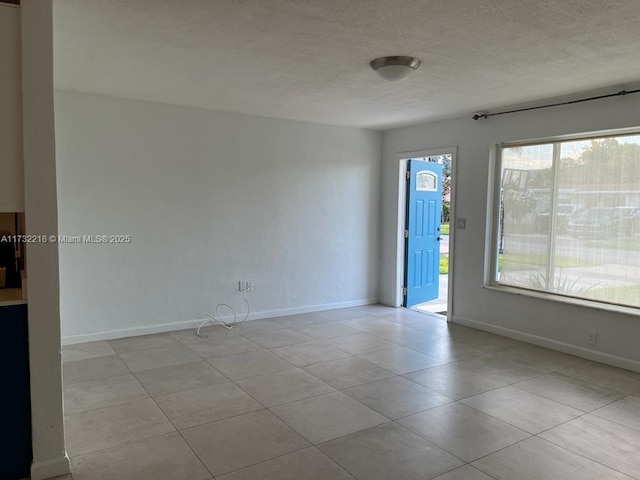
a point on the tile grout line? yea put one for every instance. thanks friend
(530, 435)
(402, 427)
(315, 339)
(562, 403)
(176, 429)
(581, 455)
(326, 393)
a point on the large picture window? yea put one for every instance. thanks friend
(569, 218)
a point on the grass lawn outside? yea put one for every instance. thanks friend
(444, 259)
(617, 243)
(444, 264)
(515, 262)
(526, 261)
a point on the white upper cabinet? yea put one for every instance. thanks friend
(11, 168)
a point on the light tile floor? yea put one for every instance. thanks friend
(362, 393)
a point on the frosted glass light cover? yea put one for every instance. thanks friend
(394, 72)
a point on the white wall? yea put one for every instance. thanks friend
(12, 178)
(551, 323)
(209, 198)
(45, 362)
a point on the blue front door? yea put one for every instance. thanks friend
(422, 248)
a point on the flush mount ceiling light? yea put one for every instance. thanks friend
(395, 68)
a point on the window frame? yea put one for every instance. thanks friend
(492, 237)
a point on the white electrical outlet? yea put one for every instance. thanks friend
(592, 337)
(242, 285)
(249, 285)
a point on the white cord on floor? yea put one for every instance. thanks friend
(218, 319)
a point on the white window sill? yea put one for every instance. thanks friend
(608, 307)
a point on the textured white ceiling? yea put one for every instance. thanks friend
(309, 59)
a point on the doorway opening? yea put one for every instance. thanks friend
(432, 291)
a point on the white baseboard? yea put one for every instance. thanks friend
(50, 468)
(171, 327)
(583, 352)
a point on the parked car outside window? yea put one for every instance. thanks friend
(564, 213)
(605, 222)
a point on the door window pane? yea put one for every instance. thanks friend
(426, 181)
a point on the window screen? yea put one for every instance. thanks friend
(569, 218)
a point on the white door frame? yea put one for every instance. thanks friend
(402, 158)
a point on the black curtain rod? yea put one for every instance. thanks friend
(621, 93)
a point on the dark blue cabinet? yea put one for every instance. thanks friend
(15, 401)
